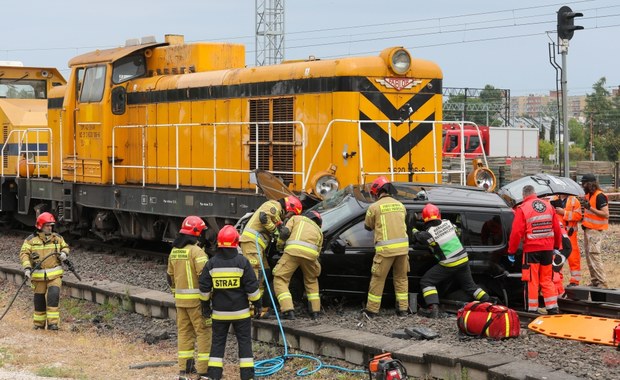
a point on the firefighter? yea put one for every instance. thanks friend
(185, 264)
(228, 282)
(537, 225)
(387, 218)
(595, 222)
(569, 209)
(441, 236)
(302, 239)
(261, 228)
(41, 256)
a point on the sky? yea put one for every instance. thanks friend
(475, 42)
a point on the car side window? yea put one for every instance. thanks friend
(485, 229)
(358, 236)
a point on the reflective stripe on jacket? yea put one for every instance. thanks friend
(228, 280)
(36, 248)
(451, 250)
(537, 224)
(306, 238)
(590, 219)
(184, 267)
(256, 229)
(387, 218)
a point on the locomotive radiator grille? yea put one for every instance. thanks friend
(276, 137)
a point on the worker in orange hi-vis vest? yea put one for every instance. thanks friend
(569, 208)
(594, 224)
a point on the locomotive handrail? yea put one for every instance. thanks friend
(214, 169)
(391, 173)
(23, 134)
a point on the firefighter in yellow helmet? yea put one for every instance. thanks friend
(229, 284)
(387, 218)
(41, 256)
(185, 264)
(262, 226)
(302, 239)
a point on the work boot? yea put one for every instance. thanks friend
(290, 315)
(432, 312)
(37, 327)
(183, 376)
(53, 327)
(401, 313)
(314, 315)
(369, 314)
(553, 311)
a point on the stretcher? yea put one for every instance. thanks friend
(577, 327)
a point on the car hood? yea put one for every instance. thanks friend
(544, 185)
(272, 186)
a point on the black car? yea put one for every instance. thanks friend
(484, 219)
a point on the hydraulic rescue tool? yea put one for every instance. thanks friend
(384, 367)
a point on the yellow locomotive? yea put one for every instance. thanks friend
(23, 114)
(150, 132)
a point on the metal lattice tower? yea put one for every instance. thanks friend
(269, 32)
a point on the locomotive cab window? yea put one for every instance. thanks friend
(128, 68)
(23, 89)
(93, 84)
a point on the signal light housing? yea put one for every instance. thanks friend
(566, 23)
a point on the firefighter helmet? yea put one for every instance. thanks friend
(44, 219)
(228, 237)
(315, 217)
(430, 212)
(292, 204)
(377, 185)
(193, 225)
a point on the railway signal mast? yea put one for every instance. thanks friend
(566, 29)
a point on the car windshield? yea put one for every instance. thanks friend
(344, 203)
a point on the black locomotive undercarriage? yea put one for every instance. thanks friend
(120, 212)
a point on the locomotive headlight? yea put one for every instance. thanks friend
(400, 60)
(326, 185)
(481, 177)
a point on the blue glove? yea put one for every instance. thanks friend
(511, 258)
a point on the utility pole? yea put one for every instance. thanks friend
(566, 28)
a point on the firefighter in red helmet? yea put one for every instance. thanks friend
(41, 256)
(185, 264)
(261, 228)
(387, 218)
(302, 240)
(228, 283)
(442, 237)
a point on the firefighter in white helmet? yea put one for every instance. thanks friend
(302, 240)
(41, 256)
(185, 264)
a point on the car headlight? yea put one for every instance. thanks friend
(400, 61)
(324, 185)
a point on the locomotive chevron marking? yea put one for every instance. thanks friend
(404, 145)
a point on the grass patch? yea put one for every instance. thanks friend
(5, 356)
(78, 309)
(49, 371)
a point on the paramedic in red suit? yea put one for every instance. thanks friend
(537, 225)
